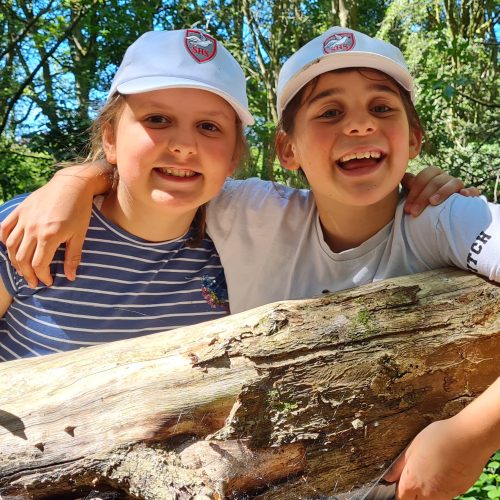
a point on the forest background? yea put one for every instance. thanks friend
(57, 59)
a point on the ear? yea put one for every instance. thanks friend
(415, 142)
(286, 151)
(109, 144)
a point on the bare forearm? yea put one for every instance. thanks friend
(97, 177)
(479, 422)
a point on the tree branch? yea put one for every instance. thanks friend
(47, 56)
(478, 101)
(27, 27)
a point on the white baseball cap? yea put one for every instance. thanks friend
(187, 58)
(340, 48)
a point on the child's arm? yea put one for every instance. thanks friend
(447, 457)
(58, 212)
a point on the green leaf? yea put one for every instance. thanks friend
(449, 91)
(494, 493)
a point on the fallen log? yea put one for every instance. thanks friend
(290, 400)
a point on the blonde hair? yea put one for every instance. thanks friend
(107, 118)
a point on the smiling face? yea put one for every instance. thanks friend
(351, 137)
(173, 149)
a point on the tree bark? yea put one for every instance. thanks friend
(290, 400)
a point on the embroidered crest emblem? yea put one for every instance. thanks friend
(214, 292)
(339, 42)
(201, 46)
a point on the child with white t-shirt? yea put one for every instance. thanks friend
(347, 120)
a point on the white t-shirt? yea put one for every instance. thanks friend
(271, 244)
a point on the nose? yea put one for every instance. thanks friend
(360, 123)
(181, 142)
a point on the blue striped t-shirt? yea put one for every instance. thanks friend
(126, 287)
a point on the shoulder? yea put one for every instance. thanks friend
(255, 194)
(455, 224)
(463, 212)
(457, 210)
(251, 211)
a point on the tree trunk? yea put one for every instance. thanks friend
(290, 400)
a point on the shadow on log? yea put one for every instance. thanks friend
(291, 400)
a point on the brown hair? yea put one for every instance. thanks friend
(287, 121)
(108, 117)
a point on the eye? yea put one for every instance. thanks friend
(381, 108)
(209, 127)
(156, 121)
(331, 113)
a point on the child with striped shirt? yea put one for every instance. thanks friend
(173, 129)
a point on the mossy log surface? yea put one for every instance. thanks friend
(295, 399)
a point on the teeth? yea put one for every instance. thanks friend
(359, 156)
(177, 173)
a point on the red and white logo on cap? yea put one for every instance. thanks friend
(339, 42)
(200, 45)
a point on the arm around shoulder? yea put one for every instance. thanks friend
(96, 177)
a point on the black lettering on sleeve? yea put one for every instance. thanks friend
(483, 237)
(476, 248)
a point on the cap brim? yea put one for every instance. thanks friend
(343, 60)
(151, 83)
